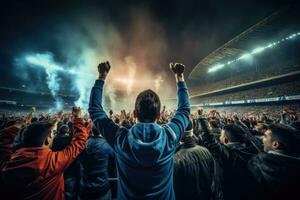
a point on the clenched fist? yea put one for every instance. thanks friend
(177, 68)
(103, 69)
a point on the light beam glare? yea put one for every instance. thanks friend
(254, 51)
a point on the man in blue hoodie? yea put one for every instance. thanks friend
(144, 153)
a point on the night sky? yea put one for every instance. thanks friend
(149, 34)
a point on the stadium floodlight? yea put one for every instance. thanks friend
(245, 56)
(257, 50)
(216, 67)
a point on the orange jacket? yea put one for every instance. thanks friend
(37, 172)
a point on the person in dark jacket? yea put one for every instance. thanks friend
(72, 173)
(195, 175)
(144, 153)
(95, 160)
(276, 170)
(232, 156)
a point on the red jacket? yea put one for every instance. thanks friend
(37, 172)
(7, 137)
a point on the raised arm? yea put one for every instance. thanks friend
(181, 118)
(60, 160)
(101, 121)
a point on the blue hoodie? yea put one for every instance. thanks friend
(144, 153)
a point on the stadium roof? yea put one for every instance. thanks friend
(279, 24)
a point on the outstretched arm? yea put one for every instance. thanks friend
(101, 121)
(60, 160)
(218, 150)
(181, 118)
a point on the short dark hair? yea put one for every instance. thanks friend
(147, 106)
(36, 133)
(287, 136)
(213, 123)
(234, 133)
(64, 129)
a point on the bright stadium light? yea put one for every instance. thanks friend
(245, 56)
(216, 67)
(257, 50)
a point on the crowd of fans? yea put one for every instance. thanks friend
(153, 153)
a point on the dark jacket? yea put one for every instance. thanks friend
(37, 172)
(144, 153)
(232, 160)
(72, 173)
(195, 175)
(277, 175)
(95, 160)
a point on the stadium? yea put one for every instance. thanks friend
(150, 100)
(266, 77)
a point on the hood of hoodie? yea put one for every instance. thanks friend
(149, 144)
(25, 165)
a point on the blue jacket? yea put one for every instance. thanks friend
(94, 162)
(144, 153)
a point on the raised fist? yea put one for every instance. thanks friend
(177, 68)
(76, 112)
(200, 111)
(103, 69)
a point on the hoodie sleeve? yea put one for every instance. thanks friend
(7, 137)
(181, 118)
(60, 160)
(102, 122)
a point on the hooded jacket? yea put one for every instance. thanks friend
(94, 161)
(37, 172)
(144, 153)
(277, 175)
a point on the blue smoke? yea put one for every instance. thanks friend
(46, 61)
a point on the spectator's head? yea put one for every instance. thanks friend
(126, 123)
(63, 130)
(213, 124)
(261, 127)
(188, 134)
(147, 106)
(282, 137)
(232, 133)
(39, 134)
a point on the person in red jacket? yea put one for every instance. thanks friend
(34, 171)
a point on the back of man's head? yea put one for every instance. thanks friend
(213, 123)
(234, 133)
(63, 130)
(287, 137)
(147, 106)
(36, 133)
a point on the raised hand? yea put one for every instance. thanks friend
(103, 69)
(177, 68)
(76, 112)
